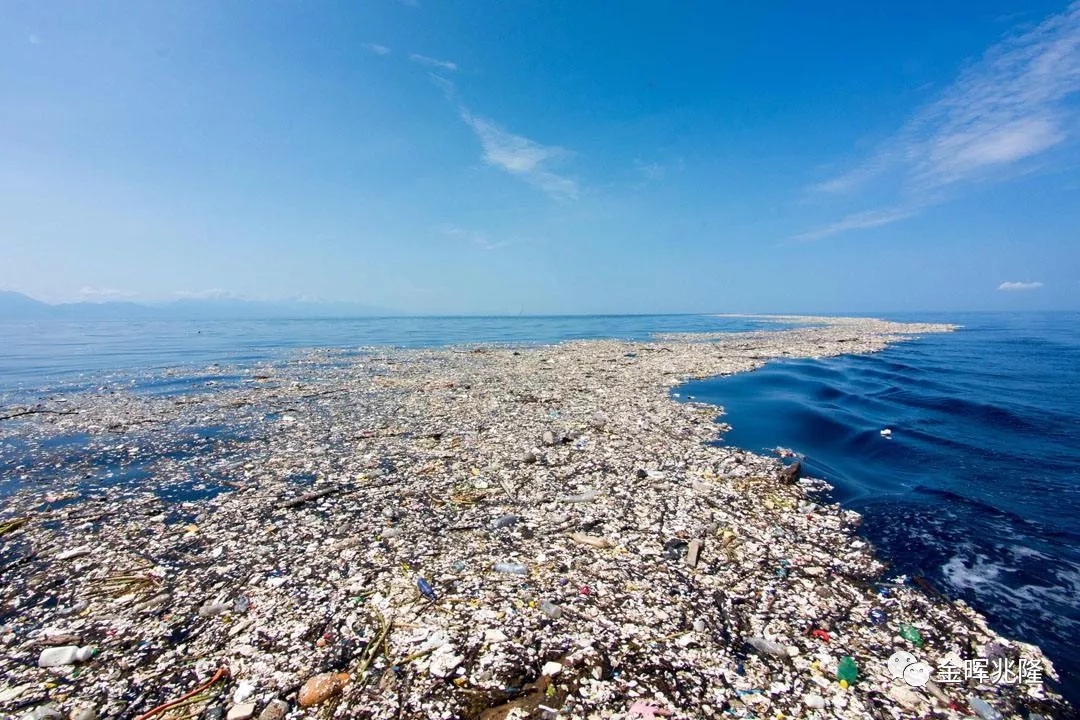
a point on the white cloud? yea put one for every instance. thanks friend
(211, 294)
(489, 245)
(1007, 107)
(449, 90)
(433, 62)
(1003, 111)
(854, 179)
(963, 154)
(103, 294)
(521, 156)
(859, 221)
(1013, 286)
(477, 239)
(33, 39)
(515, 154)
(377, 48)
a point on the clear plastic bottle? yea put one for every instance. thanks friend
(511, 568)
(984, 709)
(64, 655)
(767, 647)
(550, 609)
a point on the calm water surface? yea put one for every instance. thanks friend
(37, 354)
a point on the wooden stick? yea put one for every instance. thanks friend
(36, 411)
(296, 502)
(222, 672)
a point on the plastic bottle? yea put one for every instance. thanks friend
(243, 691)
(847, 672)
(550, 609)
(511, 568)
(425, 588)
(767, 647)
(44, 712)
(211, 609)
(505, 521)
(64, 655)
(984, 709)
(911, 634)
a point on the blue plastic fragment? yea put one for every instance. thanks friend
(425, 589)
(878, 616)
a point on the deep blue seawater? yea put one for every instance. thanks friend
(978, 489)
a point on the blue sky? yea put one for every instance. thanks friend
(554, 157)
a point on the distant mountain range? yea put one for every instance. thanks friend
(16, 306)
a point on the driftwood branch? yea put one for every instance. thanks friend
(36, 411)
(790, 473)
(308, 497)
(324, 392)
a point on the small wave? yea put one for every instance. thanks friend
(971, 502)
(967, 574)
(981, 413)
(1017, 598)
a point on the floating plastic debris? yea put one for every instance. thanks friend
(306, 538)
(425, 589)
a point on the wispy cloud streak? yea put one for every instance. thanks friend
(377, 48)
(433, 62)
(515, 154)
(1001, 113)
(859, 221)
(521, 156)
(1016, 286)
(478, 240)
(1008, 107)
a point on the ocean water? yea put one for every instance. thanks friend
(42, 360)
(53, 354)
(978, 487)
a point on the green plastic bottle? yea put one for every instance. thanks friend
(911, 634)
(846, 671)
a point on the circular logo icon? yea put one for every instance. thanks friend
(898, 661)
(916, 674)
